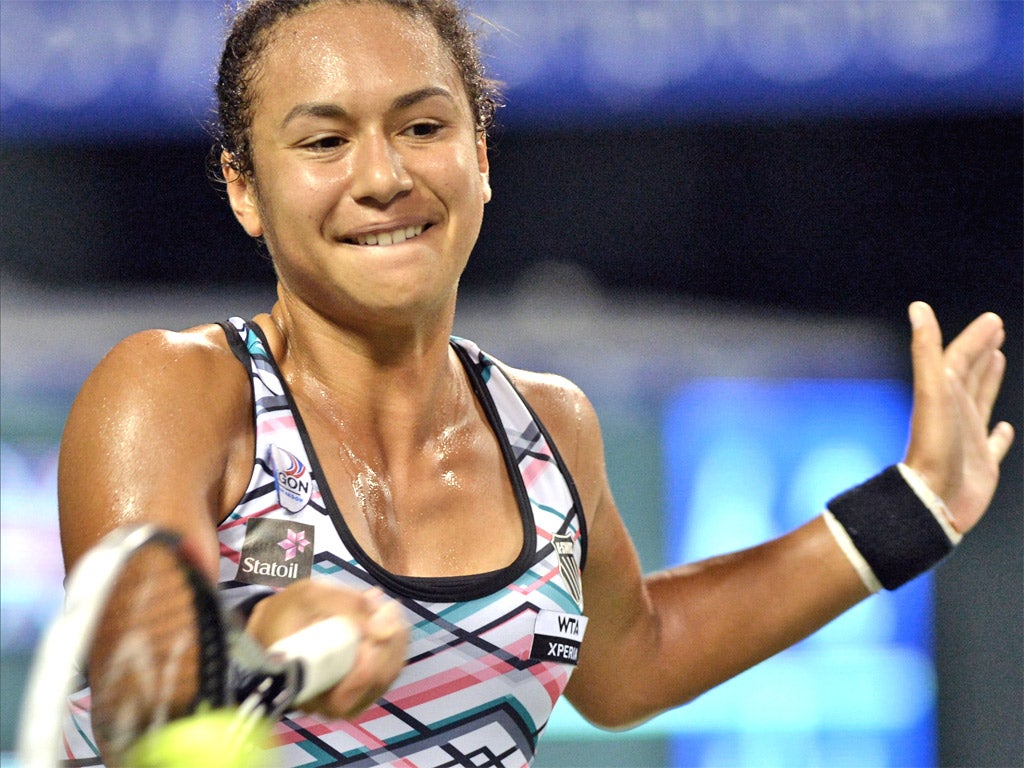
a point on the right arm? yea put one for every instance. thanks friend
(161, 432)
(156, 435)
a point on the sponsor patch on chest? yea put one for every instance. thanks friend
(292, 478)
(275, 552)
(557, 636)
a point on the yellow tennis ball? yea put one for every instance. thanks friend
(204, 740)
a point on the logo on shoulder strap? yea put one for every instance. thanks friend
(568, 566)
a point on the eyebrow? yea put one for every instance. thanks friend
(335, 111)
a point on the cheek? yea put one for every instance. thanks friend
(306, 196)
(463, 182)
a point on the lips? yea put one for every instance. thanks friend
(387, 237)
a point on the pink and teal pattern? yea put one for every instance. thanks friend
(470, 694)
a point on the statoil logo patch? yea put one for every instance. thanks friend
(275, 552)
(292, 478)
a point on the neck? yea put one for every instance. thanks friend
(395, 387)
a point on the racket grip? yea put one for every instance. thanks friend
(326, 652)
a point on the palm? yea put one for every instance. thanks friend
(954, 391)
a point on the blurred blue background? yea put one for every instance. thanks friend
(129, 68)
(715, 208)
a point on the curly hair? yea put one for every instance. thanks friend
(249, 34)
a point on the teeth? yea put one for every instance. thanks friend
(390, 238)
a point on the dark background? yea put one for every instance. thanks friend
(845, 217)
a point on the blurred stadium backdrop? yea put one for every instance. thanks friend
(711, 214)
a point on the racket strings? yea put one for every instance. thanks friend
(146, 662)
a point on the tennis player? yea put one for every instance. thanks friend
(344, 454)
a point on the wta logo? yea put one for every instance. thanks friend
(292, 478)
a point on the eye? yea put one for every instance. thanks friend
(423, 129)
(324, 143)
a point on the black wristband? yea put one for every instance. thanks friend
(891, 527)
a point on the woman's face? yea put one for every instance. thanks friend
(370, 177)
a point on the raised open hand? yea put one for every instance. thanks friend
(951, 445)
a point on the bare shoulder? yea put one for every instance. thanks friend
(163, 383)
(159, 432)
(569, 417)
(557, 400)
(201, 345)
(166, 362)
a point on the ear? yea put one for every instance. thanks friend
(242, 197)
(484, 164)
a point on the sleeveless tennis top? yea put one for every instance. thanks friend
(489, 654)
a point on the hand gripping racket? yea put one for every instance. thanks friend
(147, 632)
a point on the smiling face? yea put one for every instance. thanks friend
(369, 175)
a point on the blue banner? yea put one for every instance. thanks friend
(115, 68)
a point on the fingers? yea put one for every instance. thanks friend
(926, 348)
(303, 603)
(385, 622)
(989, 382)
(380, 660)
(1000, 440)
(973, 357)
(382, 647)
(968, 355)
(974, 360)
(934, 401)
(955, 390)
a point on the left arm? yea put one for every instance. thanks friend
(657, 642)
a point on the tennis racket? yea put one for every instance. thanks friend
(146, 631)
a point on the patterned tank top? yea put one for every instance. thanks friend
(489, 654)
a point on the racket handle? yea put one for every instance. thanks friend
(325, 650)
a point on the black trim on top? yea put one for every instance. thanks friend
(430, 588)
(577, 505)
(237, 344)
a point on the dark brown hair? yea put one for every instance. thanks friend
(250, 32)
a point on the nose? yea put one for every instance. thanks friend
(378, 170)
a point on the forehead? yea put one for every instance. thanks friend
(350, 52)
